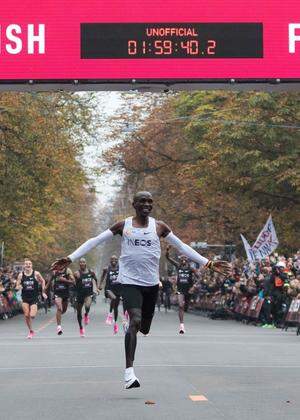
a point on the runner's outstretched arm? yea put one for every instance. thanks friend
(185, 249)
(222, 267)
(116, 229)
(90, 244)
(82, 250)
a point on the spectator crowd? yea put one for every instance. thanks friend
(262, 292)
(10, 299)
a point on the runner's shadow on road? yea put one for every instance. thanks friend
(126, 397)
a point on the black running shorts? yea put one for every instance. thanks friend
(63, 296)
(80, 298)
(116, 289)
(30, 301)
(142, 297)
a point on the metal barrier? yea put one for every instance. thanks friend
(255, 307)
(247, 308)
(293, 314)
(244, 308)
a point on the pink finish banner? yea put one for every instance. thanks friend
(149, 40)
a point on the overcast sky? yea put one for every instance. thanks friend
(107, 104)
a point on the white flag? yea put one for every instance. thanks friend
(248, 249)
(266, 241)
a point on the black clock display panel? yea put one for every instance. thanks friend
(171, 40)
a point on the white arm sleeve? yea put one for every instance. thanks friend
(90, 244)
(185, 249)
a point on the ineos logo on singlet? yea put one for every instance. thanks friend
(139, 262)
(60, 285)
(113, 275)
(87, 281)
(28, 284)
(183, 275)
(139, 242)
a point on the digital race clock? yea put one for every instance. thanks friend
(121, 43)
(171, 40)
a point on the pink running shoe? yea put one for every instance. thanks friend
(82, 332)
(86, 319)
(109, 319)
(30, 335)
(116, 328)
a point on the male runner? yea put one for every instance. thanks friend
(84, 279)
(113, 290)
(110, 274)
(167, 288)
(62, 279)
(139, 268)
(29, 280)
(185, 281)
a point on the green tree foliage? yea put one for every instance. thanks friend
(219, 163)
(45, 197)
(250, 146)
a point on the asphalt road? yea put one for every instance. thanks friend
(236, 371)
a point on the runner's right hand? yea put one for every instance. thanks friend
(60, 264)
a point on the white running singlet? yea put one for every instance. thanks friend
(140, 254)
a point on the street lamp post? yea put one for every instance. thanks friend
(2, 254)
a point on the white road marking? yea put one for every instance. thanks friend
(20, 368)
(64, 340)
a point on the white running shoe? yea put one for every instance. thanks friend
(59, 330)
(125, 325)
(181, 329)
(131, 381)
(126, 316)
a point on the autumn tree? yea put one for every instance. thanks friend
(219, 163)
(46, 199)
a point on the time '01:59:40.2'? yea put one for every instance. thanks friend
(172, 48)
